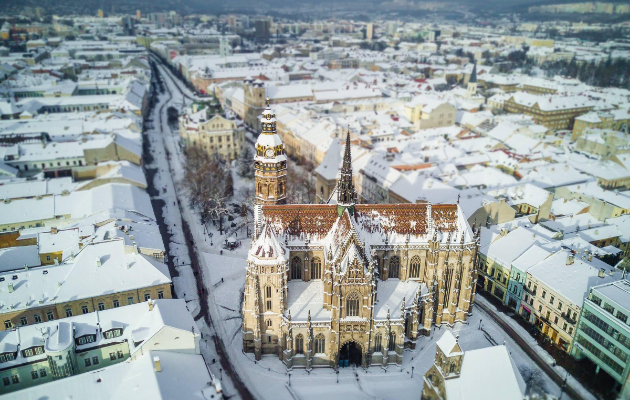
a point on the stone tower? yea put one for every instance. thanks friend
(270, 163)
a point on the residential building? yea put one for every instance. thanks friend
(603, 333)
(554, 112)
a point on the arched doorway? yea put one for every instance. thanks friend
(350, 354)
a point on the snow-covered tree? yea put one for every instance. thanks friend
(245, 163)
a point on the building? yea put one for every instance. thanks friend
(592, 120)
(100, 276)
(603, 333)
(459, 375)
(554, 112)
(263, 28)
(48, 351)
(212, 133)
(312, 271)
(254, 101)
(556, 288)
(369, 31)
(427, 113)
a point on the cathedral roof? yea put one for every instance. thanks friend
(297, 220)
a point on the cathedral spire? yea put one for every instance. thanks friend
(346, 196)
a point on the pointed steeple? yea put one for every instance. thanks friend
(346, 196)
(473, 75)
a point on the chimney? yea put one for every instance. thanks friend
(150, 304)
(53, 230)
(98, 261)
(156, 364)
(10, 287)
(602, 273)
(590, 256)
(135, 248)
(570, 258)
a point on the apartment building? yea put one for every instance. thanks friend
(556, 288)
(603, 333)
(592, 120)
(37, 354)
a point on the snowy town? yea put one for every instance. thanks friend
(350, 205)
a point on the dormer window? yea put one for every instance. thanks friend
(113, 333)
(30, 352)
(86, 339)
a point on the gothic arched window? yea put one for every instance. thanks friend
(316, 268)
(415, 267)
(394, 267)
(378, 340)
(296, 268)
(320, 344)
(377, 265)
(352, 305)
(392, 342)
(299, 344)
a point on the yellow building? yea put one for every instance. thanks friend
(592, 120)
(554, 112)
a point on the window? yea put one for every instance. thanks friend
(120, 354)
(609, 308)
(50, 316)
(160, 294)
(570, 330)
(622, 317)
(394, 267)
(564, 326)
(320, 344)
(68, 312)
(112, 356)
(7, 324)
(299, 344)
(43, 373)
(116, 303)
(129, 300)
(392, 342)
(147, 296)
(544, 294)
(86, 339)
(34, 375)
(88, 362)
(269, 323)
(560, 305)
(101, 306)
(47, 258)
(540, 308)
(38, 318)
(352, 305)
(555, 320)
(316, 268)
(6, 381)
(415, 267)
(15, 379)
(296, 268)
(23, 321)
(378, 340)
(269, 303)
(95, 360)
(551, 300)
(84, 309)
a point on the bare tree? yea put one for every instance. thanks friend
(534, 381)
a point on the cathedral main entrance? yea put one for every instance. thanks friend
(350, 354)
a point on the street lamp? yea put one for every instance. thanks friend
(412, 371)
(289, 379)
(221, 373)
(337, 372)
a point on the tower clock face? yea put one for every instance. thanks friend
(269, 153)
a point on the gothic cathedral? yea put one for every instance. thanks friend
(347, 283)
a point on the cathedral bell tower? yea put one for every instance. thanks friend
(270, 163)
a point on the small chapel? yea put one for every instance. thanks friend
(344, 283)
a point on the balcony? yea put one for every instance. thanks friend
(529, 290)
